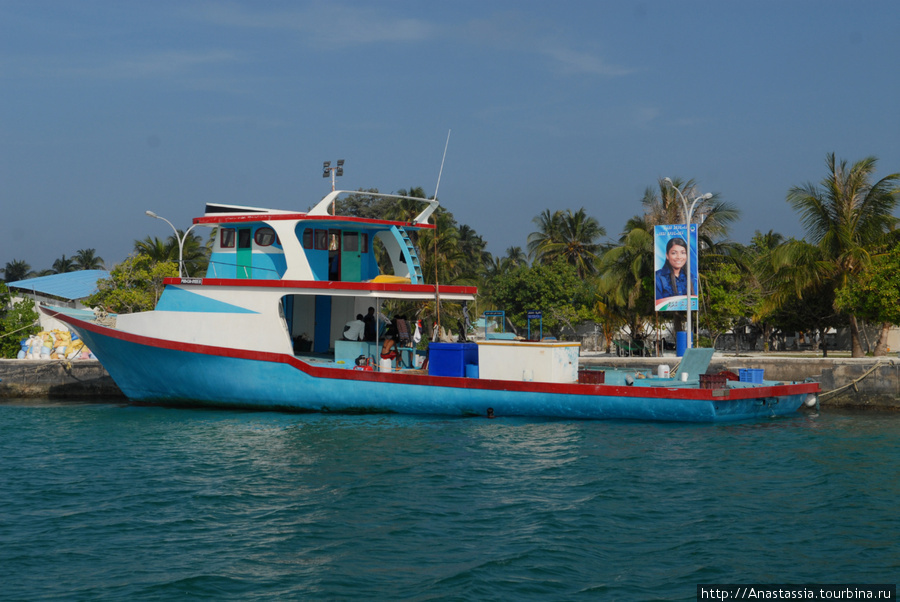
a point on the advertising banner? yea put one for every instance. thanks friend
(670, 244)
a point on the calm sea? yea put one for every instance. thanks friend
(116, 502)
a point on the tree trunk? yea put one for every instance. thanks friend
(855, 347)
(881, 347)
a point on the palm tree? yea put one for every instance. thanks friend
(87, 259)
(195, 253)
(548, 232)
(713, 216)
(627, 274)
(64, 264)
(567, 235)
(440, 248)
(15, 270)
(846, 218)
(157, 249)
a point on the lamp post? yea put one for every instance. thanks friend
(180, 239)
(688, 214)
(335, 171)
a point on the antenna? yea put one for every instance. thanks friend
(437, 293)
(438, 185)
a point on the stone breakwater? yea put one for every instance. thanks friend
(55, 379)
(863, 383)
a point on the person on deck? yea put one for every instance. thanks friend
(353, 330)
(371, 327)
(390, 341)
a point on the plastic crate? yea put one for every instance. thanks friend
(450, 359)
(591, 377)
(713, 381)
(751, 375)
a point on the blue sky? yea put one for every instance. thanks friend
(111, 108)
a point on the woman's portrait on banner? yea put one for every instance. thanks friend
(672, 266)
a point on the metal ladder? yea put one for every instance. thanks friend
(416, 276)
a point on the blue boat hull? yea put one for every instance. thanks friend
(156, 371)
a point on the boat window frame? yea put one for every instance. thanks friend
(350, 244)
(265, 236)
(321, 238)
(227, 238)
(242, 234)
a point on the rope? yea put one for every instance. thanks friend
(35, 323)
(854, 382)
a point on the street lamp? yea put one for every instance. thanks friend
(180, 239)
(336, 171)
(688, 214)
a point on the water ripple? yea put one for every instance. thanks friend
(111, 502)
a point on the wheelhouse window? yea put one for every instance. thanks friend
(264, 237)
(226, 238)
(308, 238)
(244, 238)
(321, 240)
(351, 241)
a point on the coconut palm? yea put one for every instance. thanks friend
(157, 249)
(64, 264)
(87, 259)
(17, 269)
(627, 274)
(846, 218)
(567, 235)
(713, 215)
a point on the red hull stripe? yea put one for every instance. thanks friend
(329, 285)
(272, 217)
(445, 381)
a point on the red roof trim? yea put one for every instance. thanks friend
(271, 217)
(326, 285)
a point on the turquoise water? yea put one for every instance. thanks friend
(118, 502)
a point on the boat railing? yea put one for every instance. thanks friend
(322, 208)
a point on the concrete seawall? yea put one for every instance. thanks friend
(863, 383)
(55, 379)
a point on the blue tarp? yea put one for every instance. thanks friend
(69, 285)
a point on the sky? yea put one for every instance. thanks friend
(110, 108)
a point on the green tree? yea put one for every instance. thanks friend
(846, 218)
(87, 259)
(567, 235)
(555, 289)
(18, 320)
(16, 270)
(195, 253)
(64, 264)
(874, 294)
(627, 276)
(713, 216)
(133, 285)
(157, 249)
(726, 297)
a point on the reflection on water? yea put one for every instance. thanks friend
(110, 501)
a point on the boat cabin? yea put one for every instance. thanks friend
(291, 281)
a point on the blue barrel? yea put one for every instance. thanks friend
(680, 343)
